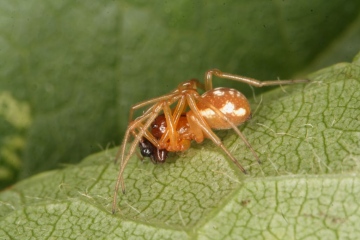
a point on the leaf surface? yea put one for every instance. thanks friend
(307, 186)
(79, 66)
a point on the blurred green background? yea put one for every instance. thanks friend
(70, 70)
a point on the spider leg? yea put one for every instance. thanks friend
(121, 152)
(250, 81)
(147, 135)
(179, 109)
(149, 119)
(170, 127)
(196, 119)
(122, 149)
(150, 101)
(124, 160)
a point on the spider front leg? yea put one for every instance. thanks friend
(250, 81)
(172, 96)
(148, 118)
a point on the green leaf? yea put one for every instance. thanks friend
(79, 66)
(308, 186)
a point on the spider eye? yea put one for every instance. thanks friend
(146, 148)
(145, 152)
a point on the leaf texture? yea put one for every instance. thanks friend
(307, 186)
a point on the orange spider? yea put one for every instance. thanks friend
(218, 108)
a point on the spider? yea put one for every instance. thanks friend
(216, 108)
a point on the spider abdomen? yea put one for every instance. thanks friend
(230, 102)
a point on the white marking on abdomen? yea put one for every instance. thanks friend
(207, 113)
(219, 93)
(228, 107)
(240, 112)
